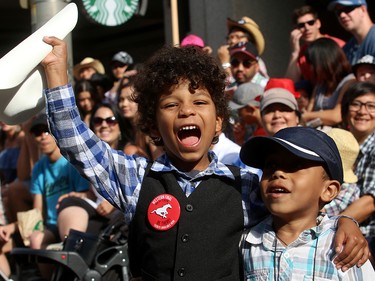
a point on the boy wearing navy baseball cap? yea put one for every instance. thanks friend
(302, 171)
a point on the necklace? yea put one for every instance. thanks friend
(276, 272)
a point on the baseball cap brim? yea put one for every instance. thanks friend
(356, 66)
(234, 106)
(254, 151)
(235, 51)
(278, 95)
(331, 6)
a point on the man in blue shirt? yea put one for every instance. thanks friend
(353, 16)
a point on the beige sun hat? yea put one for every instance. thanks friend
(348, 148)
(252, 27)
(22, 77)
(88, 62)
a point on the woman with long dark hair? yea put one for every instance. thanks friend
(331, 74)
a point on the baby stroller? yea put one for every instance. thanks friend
(84, 256)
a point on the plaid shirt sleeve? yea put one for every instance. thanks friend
(116, 176)
(348, 194)
(254, 208)
(365, 167)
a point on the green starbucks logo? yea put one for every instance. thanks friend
(110, 12)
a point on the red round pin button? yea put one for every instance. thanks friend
(163, 212)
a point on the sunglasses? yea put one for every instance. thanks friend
(303, 24)
(245, 63)
(38, 133)
(345, 9)
(111, 121)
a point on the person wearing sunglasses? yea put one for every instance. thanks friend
(358, 114)
(52, 177)
(244, 59)
(306, 30)
(109, 125)
(353, 16)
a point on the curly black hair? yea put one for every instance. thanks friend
(168, 67)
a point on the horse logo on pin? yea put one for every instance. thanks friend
(163, 212)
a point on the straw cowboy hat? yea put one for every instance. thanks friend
(22, 78)
(88, 62)
(348, 149)
(251, 27)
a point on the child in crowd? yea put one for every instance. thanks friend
(186, 210)
(302, 171)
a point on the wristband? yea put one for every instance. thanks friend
(226, 65)
(348, 217)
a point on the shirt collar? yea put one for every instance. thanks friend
(263, 233)
(163, 164)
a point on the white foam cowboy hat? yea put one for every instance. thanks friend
(22, 78)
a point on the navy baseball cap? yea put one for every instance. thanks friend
(304, 142)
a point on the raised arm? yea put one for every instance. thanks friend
(111, 172)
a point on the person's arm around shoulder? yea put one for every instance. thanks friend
(350, 245)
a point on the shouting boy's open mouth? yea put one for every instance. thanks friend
(189, 135)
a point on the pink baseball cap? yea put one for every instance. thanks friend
(192, 40)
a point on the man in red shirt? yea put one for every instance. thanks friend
(307, 29)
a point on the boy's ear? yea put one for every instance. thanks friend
(330, 190)
(219, 125)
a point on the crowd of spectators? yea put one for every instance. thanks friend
(328, 85)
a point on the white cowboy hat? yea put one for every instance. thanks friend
(22, 78)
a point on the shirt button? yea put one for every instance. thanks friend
(286, 255)
(189, 208)
(185, 238)
(181, 272)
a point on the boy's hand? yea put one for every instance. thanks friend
(350, 245)
(55, 63)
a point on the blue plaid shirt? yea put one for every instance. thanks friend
(118, 177)
(365, 171)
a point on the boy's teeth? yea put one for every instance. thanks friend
(188, 128)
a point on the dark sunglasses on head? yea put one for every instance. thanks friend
(111, 121)
(345, 9)
(245, 63)
(302, 24)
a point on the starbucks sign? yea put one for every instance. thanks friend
(110, 12)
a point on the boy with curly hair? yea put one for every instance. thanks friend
(186, 211)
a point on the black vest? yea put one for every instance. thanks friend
(203, 245)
